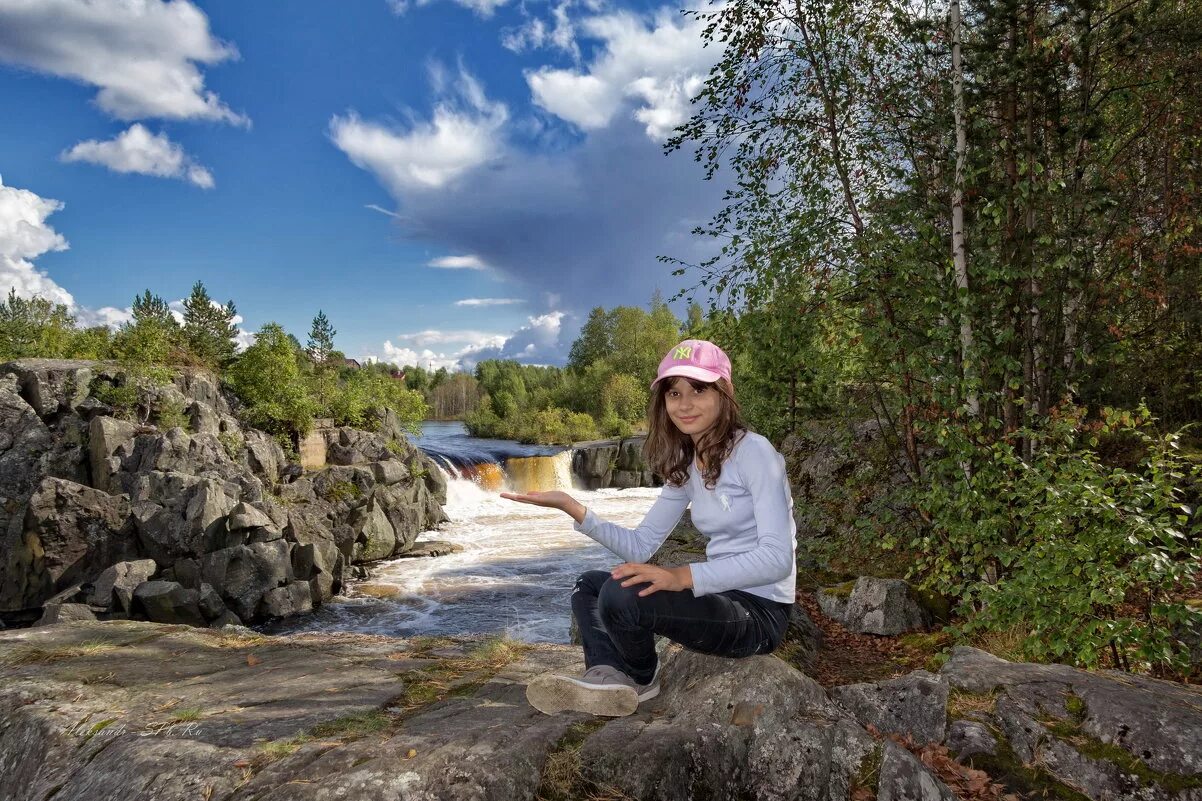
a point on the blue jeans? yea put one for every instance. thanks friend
(618, 628)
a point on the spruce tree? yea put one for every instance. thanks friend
(209, 327)
(321, 338)
(150, 308)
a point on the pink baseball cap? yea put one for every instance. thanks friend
(695, 358)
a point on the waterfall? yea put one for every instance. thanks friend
(537, 473)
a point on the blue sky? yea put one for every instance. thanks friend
(446, 180)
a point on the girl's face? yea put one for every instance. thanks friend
(693, 411)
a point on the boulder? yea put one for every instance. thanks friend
(1110, 735)
(168, 602)
(431, 548)
(264, 456)
(53, 386)
(904, 778)
(245, 573)
(192, 522)
(914, 705)
(294, 598)
(72, 532)
(375, 538)
(245, 516)
(804, 636)
(114, 587)
(203, 418)
(875, 606)
(390, 472)
(210, 603)
(346, 446)
(594, 462)
(968, 738)
(64, 613)
(109, 441)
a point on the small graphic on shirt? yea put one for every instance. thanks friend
(725, 501)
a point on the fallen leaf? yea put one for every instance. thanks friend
(412, 753)
(252, 660)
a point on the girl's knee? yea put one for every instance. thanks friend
(615, 600)
(591, 581)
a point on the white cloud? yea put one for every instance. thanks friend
(537, 33)
(432, 337)
(139, 151)
(539, 341)
(488, 301)
(142, 55)
(657, 67)
(24, 235)
(463, 134)
(106, 316)
(458, 263)
(483, 8)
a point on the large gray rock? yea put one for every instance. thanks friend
(347, 446)
(264, 456)
(53, 386)
(1112, 735)
(904, 778)
(72, 532)
(425, 548)
(294, 598)
(179, 515)
(110, 441)
(612, 463)
(168, 602)
(244, 574)
(114, 587)
(375, 537)
(875, 606)
(913, 705)
(968, 738)
(64, 613)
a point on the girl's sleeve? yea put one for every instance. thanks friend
(638, 544)
(762, 471)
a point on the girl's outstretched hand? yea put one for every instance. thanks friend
(552, 499)
(673, 579)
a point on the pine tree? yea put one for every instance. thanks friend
(321, 338)
(209, 327)
(153, 309)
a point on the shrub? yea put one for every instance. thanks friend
(1091, 560)
(233, 442)
(172, 415)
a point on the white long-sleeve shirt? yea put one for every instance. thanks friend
(747, 516)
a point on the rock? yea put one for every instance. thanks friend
(1112, 735)
(875, 606)
(64, 613)
(209, 602)
(245, 573)
(347, 446)
(375, 537)
(72, 532)
(904, 778)
(227, 620)
(292, 599)
(194, 522)
(968, 738)
(913, 705)
(52, 386)
(109, 441)
(115, 585)
(168, 602)
(245, 516)
(390, 472)
(203, 418)
(804, 636)
(431, 548)
(264, 456)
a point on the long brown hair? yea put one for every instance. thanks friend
(668, 451)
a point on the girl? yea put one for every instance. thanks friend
(736, 603)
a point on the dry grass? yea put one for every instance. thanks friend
(1006, 644)
(962, 704)
(35, 655)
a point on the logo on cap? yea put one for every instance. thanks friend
(685, 352)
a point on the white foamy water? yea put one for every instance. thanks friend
(514, 575)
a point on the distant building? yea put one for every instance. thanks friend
(351, 363)
(397, 375)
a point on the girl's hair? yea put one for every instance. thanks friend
(668, 451)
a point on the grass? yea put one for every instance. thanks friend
(562, 778)
(963, 704)
(1087, 745)
(35, 655)
(1008, 644)
(187, 714)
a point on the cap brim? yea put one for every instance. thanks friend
(689, 371)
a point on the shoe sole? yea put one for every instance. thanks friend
(554, 694)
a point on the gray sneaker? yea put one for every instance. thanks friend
(602, 690)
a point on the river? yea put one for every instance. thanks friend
(518, 563)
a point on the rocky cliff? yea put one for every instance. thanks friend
(612, 463)
(203, 524)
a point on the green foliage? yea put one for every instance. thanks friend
(209, 328)
(365, 394)
(340, 491)
(171, 414)
(34, 327)
(267, 378)
(321, 338)
(233, 443)
(1092, 559)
